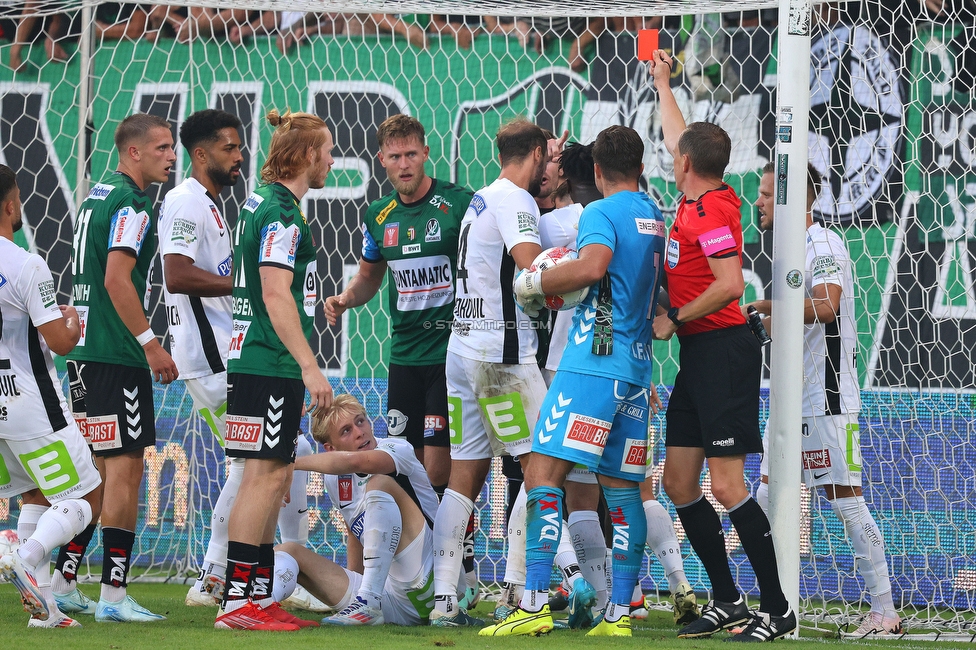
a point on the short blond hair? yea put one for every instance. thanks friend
(324, 425)
(294, 135)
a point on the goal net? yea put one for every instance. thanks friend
(892, 128)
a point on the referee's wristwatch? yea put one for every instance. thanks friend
(673, 315)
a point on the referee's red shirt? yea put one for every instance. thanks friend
(708, 227)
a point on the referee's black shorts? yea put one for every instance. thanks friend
(715, 402)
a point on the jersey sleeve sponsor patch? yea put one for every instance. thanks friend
(129, 229)
(279, 243)
(527, 222)
(423, 282)
(310, 288)
(717, 241)
(824, 266)
(183, 235)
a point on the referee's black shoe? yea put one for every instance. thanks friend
(766, 627)
(716, 616)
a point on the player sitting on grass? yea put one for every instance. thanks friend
(388, 505)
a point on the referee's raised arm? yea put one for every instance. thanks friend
(672, 121)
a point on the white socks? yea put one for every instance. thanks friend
(293, 517)
(57, 525)
(566, 557)
(450, 525)
(869, 550)
(663, 542)
(515, 562)
(591, 551)
(215, 559)
(382, 526)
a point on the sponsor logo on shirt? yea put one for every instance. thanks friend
(716, 241)
(433, 230)
(824, 265)
(311, 288)
(244, 432)
(345, 489)
(586, 433)
(118, 224)
(441, 203)
(252, 203)
(224, 268)
(673, 253)
(411, 249)
(385, 212)
(270, 232)
(237, 336)
(818, 459)
(422, 282)
(103, 432)
(82, 322)
(391, 235)
(411, 233)
(100, 192)
(216, 216)
(650, 227)
(635, 456)
(478, 204)
(526, 222)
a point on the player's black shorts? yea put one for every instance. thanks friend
(113, 406)
(417, 405)
(715, 401)
(263, 416)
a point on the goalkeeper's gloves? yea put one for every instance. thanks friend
(528, 292)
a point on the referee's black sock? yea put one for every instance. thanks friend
(752, 525)
(704, 530)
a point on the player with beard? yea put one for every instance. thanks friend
(196, 253)
(118, 356)
(494, 385)
(410, 236)
(270, 363)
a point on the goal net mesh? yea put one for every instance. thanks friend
(892, 128)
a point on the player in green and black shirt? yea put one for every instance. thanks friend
(270, 363)
(112, 368)
(411, 235)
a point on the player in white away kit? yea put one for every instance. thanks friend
(194, 241)
(43, 455)
(388, 505)
(494, 386)
(832, 401)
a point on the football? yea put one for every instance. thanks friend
(550, 258)
(8, 544)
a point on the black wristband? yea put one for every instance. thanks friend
(673, 315)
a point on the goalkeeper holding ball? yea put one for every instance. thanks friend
(621, 249)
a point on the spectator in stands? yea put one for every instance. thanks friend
(462, 28)
(116, 21)
(368, 24)
(52, 30)
(188, 23)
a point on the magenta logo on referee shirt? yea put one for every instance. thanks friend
(716, 241)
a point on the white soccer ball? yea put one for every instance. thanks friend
(550, 258)
(9, 542)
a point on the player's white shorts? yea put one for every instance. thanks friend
(492, 407)
(831, 451)
(209, 395)
(408, 595)
(59, 463)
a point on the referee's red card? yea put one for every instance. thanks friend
(646, 44)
